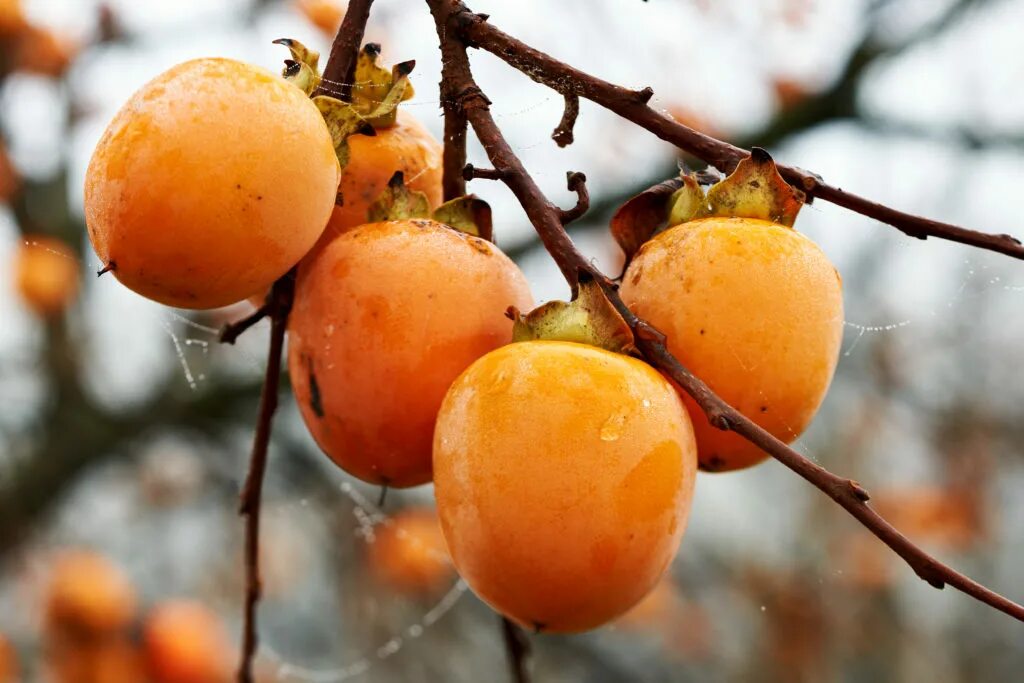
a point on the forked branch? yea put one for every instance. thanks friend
(452, 18)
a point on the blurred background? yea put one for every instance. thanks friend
(125, 427)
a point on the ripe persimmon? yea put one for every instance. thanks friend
(406, 146)
(46, 274)
(8, 661)
(386, 316)
(210, 183)
(326, 15)
(184, 642)
(754, 309)
(409, 554)
(88, 594)
(564, 475)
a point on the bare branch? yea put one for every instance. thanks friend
(563, 135)
(341, 65)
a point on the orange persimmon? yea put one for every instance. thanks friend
(8, 661)
(407, 146)
(409, 554)
(184, 642)
(46, 274)
(564, 475)
(755, 310)
(386, 316)
(326, 15)
(88, 594)
(210, 183)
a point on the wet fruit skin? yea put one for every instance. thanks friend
(408, 147)
(184, 642)
(752, 308)
(409, 553)
(210, 183)
(386, 316)
(46, 274)
(563, 475)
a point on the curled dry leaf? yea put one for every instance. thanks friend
(468, 214)
(378, 91)
(640, 217)
(590, 319)
(397, 202)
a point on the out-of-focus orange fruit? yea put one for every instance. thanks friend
(8, 661)
(409, 553)
(44, 52)
(185, 642)
(46, 274)
(88, 594)
(326, 15)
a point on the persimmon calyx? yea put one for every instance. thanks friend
(302, 69)
(468, 214)
(378, 91)
(753, 190)
(590, 318)
(342, 121)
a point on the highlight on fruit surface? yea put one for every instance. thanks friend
(408, 553)
(564, 475)
(46, 274)
(188, 211)
(386, 316)
(185, 642)
(88, 594)
(750, 306)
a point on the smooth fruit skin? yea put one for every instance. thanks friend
(564, 475)
(406, 146)
(752, 308)
(210, 183)
(184, 642)
(46, 274)
(386, 316)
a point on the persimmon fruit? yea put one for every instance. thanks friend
(89, 594)
(211, 182)
(564, 475)
(46, 274)
(184, 642)
(406, 146)
(409, 554)
(386, 316)
(755, 310)
(8, 661)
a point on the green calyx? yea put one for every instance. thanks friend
(468, 214)
(375, 95)
(755, 189)
(590, 318)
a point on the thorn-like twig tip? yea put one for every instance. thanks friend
(644, 96)
(110, 267)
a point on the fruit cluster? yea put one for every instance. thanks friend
(563, 466)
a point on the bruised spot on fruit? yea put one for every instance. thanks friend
(315, 402)
(712, 464)
(764, 409)
(480, 245)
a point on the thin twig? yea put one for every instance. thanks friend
(341, 65)
(546, 219)
(576, 182)
(471, 172)
(632, 105)
(230, 333)
(563, 135)
(517, 646)
(279, 304)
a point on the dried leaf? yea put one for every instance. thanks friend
(688, 202)
(640, 217)
(342, 121)
(397, 202)
(300, 53)
(756, 190)
(468, 214)
(590, 319)
(301, 69)
(377, 91)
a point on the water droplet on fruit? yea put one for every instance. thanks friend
(646, 403)
(611, 430)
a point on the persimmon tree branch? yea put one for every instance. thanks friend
(632, 105)
(340, 68)
(547, 220)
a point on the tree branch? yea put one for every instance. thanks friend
(341, 65)
(632, 105)
(546, 219)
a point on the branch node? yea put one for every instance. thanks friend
(643, 96)
(563, 135)
(470, 172)
(576, 182)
